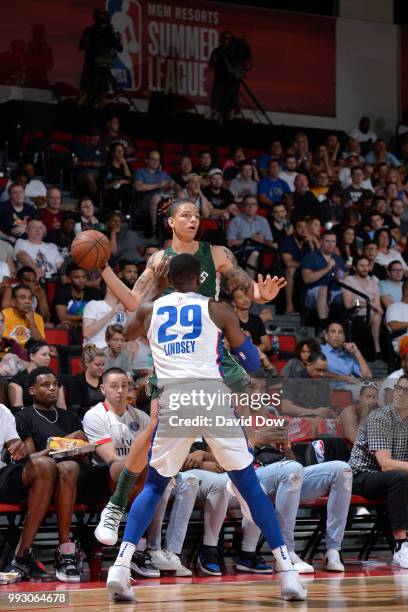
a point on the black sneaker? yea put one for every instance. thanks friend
(28, 568)
(209, 561)
(67, 563)
(253, 563)
(141, 565)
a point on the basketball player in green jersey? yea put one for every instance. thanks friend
(216, 262)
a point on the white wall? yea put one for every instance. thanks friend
(367, 73)
(367, 10)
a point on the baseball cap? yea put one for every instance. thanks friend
(214, 171)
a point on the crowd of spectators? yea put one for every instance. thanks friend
(334, 221)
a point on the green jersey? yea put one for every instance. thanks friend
(209, 286)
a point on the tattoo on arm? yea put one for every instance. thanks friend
(235, 276)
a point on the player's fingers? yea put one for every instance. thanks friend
(260, 279)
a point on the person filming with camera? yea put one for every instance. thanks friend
(100, 43)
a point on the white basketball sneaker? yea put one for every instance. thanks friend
(298, 564)
(400, 557)
(291, 587)
(332, 561)
(118, 584)
(107, 529)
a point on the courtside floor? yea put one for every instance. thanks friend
(371, 585)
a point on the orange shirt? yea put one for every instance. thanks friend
(17, 327)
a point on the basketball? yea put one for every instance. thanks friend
(91, 250)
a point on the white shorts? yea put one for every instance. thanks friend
(180, 426)
(168, 454)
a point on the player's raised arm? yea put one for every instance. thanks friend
(226, 319)
(261, 292)
(139, 322)
(145, 288)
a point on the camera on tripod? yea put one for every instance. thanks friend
(107, 42)
(239, 58)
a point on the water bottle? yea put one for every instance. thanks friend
(274, 348)
(95, 564)
(120, 318)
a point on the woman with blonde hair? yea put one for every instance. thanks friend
(84, 389)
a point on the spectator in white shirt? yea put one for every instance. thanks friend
(43, 257)
(363, 282)
(98, 315)
(289, 173)
(123, 429)
(363, 133)
(385, 254)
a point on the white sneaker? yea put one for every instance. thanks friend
(165, 560)
(118, 584)
(301, 566)
(401, 556)
(107, 529)
(181, 571)
(291, 587)
(332, 561)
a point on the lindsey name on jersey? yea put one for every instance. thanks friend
(176, 348)
(184, 340)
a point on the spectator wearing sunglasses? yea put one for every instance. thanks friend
(379, 462)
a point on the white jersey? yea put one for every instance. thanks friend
(184, 340)
(102, 425)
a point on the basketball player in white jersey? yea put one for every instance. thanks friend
(217, 262)
(185, 331)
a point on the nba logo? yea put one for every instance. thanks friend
(126, 20)
(318, 446)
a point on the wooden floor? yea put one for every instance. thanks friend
(374, 588)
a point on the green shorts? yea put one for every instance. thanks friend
(234, 375)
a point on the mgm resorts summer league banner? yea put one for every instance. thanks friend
(166, 47)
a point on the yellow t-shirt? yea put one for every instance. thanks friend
(17, 327)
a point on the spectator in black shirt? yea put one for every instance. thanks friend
(352, 194)
(281, 227)
(39, 355)
(292, 251)
(117, 180)
(221, 199)
(88, 159)
(370, 251)
(312, 396)
(76, 480)
(304, 202)
(333, 209)
(181, 177)
(64, 236)
(71, 298)
(250, 322)
(84, 389)
(204, 167)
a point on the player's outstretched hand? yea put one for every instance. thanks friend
(270, 287)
